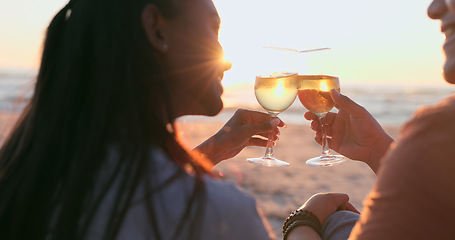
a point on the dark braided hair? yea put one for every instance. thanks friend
(99, 87)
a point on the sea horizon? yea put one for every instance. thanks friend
(389, 103)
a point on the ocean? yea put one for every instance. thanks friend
(390, 104)
(16, 88)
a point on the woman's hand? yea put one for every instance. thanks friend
(240, 131)
(353, 132)
(324, 204)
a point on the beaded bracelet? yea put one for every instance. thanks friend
(301, 217)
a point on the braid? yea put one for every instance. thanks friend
(53, 39)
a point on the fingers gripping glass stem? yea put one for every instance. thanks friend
(268, 159)
(326, 159)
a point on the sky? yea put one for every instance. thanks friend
(387, 41)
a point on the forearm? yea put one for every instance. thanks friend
(303, 232)
(209, 149)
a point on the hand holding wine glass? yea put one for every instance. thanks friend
(317, 77)
(355, 133)
(275, 89)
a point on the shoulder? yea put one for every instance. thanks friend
(226, 191)
(423, 156)
(416, 173)
(233, 212)
(228, 201)
(433, 120)
(430, 133)
(226, 211)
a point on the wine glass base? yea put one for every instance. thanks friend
(326, 160)
(268, 162)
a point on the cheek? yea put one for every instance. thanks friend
(450, 5)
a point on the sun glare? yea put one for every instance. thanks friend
(324, 87)
(279, 90)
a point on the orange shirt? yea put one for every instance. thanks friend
(414, 196)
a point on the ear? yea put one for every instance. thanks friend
(153, 23)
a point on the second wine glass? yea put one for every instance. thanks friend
(317, 77)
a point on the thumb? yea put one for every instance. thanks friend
(346, 103)
(340, 199)
(349, 207)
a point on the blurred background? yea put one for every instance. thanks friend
(388, 53)
(388, 58)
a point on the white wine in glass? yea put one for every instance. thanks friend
(314, 93)
(316, 79)
(275, 93)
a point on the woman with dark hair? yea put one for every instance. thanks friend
(95, 155)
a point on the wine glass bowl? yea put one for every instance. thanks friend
(276, 93)
(314, 93)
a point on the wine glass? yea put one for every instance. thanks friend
(275, 89)
(317, 77)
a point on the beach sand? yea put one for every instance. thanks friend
(281, 190)
(278, 190)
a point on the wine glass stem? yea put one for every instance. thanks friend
(325, 144)
(269, 149)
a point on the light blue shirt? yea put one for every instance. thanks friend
(229, 213)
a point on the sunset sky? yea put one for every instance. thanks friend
(387, 41)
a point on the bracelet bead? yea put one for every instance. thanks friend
(301, 217)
